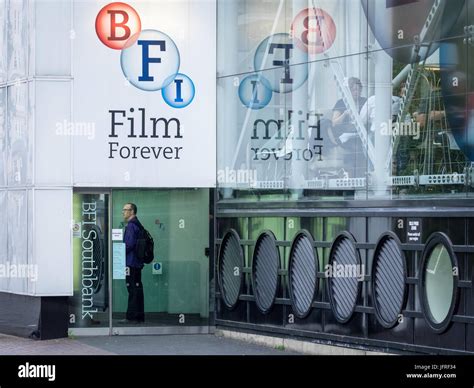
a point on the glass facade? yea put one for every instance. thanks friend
(344, 99)
(344, 131)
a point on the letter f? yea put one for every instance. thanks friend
(146, 60)
(286, 63)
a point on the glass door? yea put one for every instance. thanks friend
(89, 305)
(176, 284)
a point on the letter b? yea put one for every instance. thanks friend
(116, 23)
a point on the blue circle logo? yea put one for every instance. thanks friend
(255, 92)
(151, 61)
(179, 91)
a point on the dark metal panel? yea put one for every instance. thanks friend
(312, 322)
(19, 314)
(35, 317)
(273, 317)
(469, 294)
(412, 332)
(261, 211)
(238, 314)
(436, 208)
(54, 317)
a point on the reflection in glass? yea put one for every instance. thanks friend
(3, 137)
(17, 39)
(406, 133)
(3, 42)
(438, 286)
(19, 163)
(89, 305)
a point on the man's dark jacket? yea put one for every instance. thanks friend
(130, 238)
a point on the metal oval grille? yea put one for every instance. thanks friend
(302, 268)
(265, 265)
(231, 262)
(388, 280)
(344, 267)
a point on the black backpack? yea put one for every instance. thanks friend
(145, 246)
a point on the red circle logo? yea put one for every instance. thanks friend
(313, 30)
(116, 23)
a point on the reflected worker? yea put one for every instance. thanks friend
(134, 266)
(345, 132)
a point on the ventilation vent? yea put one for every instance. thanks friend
(303, 268)
(388, 280)
(231, 263)
(265, 266)
(343, 273)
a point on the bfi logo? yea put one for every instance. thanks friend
(281, 60)
(149, 58)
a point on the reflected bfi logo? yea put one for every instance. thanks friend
(149, 58)
(281, 60)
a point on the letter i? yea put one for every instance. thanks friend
(178, 83)
(255, 92)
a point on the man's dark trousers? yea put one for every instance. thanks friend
(136, 305)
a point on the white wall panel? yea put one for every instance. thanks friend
(52, 46)
(17, 38)
(52, 242)
(3, 239)
(3, 137)
(17, 220)
(53, 133)
(19, 136)
(3, 42)
(33, 274)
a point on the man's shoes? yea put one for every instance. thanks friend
(130, 322)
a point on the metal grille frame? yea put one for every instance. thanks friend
(230, 234)
(302, 234)
(382, 243)
(345, 235)
(264, 236)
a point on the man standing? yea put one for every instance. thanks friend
(135, 310)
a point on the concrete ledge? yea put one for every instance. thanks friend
(291, 344)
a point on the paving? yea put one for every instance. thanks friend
(199, 344)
